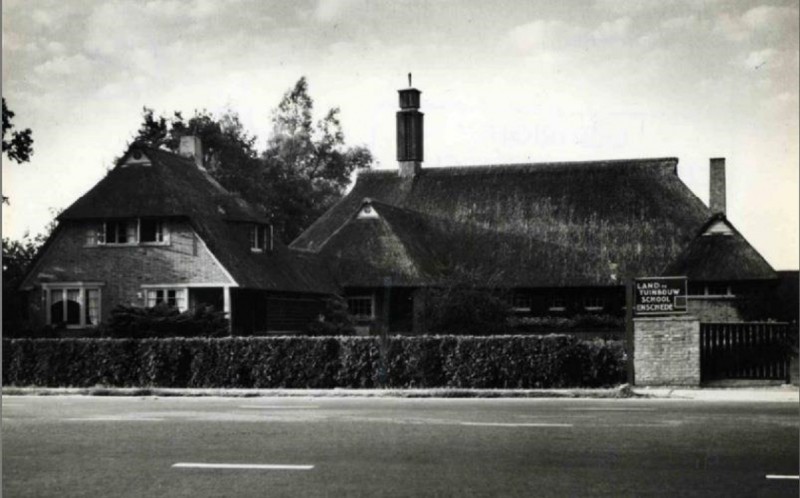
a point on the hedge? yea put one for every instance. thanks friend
(316, 362)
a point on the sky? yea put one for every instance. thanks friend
(502, 82)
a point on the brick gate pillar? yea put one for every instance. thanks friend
(667, 351)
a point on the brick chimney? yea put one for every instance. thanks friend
(716, 198)
(191, 146)
(409, 132)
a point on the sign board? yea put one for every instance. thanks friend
(659, 296)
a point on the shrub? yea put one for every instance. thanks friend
(335, 320)
(316, 362)
(165, 321)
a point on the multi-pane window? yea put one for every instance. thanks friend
(594, 303)
(171, 297)
(360, 307)
(718, 290)
(151, 230)
(260, 238)
(74, 306)
(127, 231)
(521, 302)
(557, 304)
(119, 232)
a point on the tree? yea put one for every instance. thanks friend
(18, 145)
(17, 258)
(229, 152)
(309, 166)
(305, 168)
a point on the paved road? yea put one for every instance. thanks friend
(129, 447)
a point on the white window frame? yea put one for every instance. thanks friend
(160, 222)
(557, 304)
(99, 238)
(81, 287)
(728, 291)
(261, 244)
(181, 295)
(594, 303)
(371, 300)
(521, 297)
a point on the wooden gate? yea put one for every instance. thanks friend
(745, 351)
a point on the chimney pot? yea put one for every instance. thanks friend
(716, 198)
(192, 147)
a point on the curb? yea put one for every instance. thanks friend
(614, 393)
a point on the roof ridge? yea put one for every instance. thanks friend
(648, 161)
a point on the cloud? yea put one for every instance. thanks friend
(764, 20)
(680, 23)
(760, 58)
(333, 10)
(613, 30)
(767, 16)
(542, 34)
(60, 66)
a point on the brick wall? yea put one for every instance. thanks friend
(122, 269)
(667, 351)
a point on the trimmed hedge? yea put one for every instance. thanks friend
(316, 362)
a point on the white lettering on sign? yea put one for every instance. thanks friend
(659, 295)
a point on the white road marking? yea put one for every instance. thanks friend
(775, 476)
(279, 407)
(115, 419)
(610, 409)
(503, 424)
(240, 466)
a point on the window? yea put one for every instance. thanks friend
(127, 232)
(521, 303)
(151, 230)
(360, 307)
(594, 303)
(557, 304)
(718, 290)
(171, 297)
(73, 305)
(119, 232)
(260, 238)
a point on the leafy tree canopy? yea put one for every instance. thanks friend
(304, 169)
(17, 145)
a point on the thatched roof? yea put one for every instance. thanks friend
(576, 223)
(174, 187)
(414, 249)
(720, 257)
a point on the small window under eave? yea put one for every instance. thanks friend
(136, 158)
(719, 227)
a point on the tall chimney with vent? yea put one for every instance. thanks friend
(192, 147)
(409, 132)
(716, 198)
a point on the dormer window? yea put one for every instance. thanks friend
(260, 238)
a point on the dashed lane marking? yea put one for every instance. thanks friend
(114, 419)
(278, 407)
(776, 476)
(247, 466)
(504, 424)
(610, 409)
